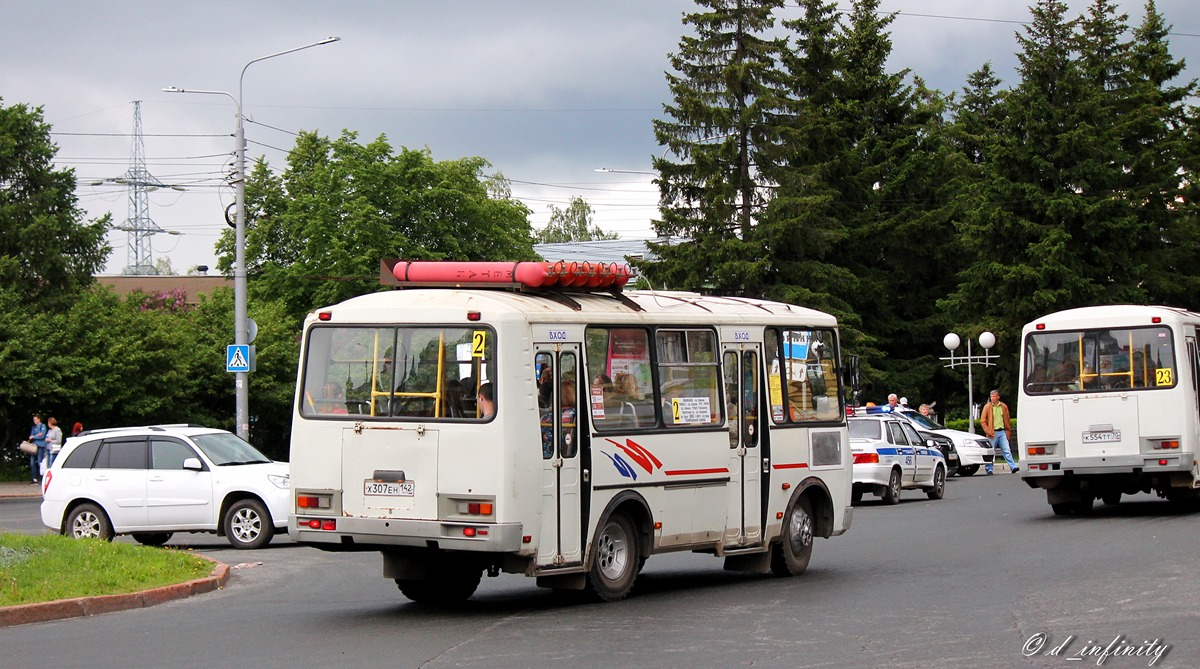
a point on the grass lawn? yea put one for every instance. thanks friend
(47, 567)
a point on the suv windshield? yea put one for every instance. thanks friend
(224, 448)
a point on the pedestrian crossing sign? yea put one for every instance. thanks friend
(237, 358)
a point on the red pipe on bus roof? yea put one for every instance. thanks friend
(526, 274)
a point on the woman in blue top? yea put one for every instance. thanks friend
(38, 436)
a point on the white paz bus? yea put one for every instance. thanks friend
(1109, 405)
(536, 419)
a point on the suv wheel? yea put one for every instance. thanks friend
(88, 521)
(248, 525)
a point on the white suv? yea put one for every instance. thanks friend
(156, 480)
(973, 449)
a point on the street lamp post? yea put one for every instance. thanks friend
(240, 326)
(987, 340)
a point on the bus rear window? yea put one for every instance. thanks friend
(400, 372)
(1087, 360)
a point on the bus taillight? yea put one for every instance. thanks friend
(312, 501)
(1168, 443)
(470, 508)
(326, 524)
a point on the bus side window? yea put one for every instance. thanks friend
(544, 364)
(568, 440)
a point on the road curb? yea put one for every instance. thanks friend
(41, 612)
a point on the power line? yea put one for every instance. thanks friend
(129, 134)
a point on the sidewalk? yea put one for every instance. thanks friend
(19, 489)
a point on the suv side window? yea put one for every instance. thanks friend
(169, 453)
(83, 456)
(122, 454)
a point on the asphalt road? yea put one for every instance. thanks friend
(987, 577)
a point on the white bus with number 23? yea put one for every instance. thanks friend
(535, 418)
(1109, 405)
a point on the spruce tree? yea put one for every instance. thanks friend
(724, 91)
(1022, 230)
(1154, 132)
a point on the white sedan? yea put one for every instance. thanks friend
(890, 456)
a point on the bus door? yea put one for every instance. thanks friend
(743, 526)
(557, 367)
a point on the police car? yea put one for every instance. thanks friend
(890, 456)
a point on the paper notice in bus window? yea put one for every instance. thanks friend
(686, 410)
(598, 403)
(775, 389)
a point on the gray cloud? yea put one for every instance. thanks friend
(546, 90)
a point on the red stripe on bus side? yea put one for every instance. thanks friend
(686, 472)
(794, 465)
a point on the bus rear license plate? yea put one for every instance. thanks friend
(1101, 437)
(389, 488)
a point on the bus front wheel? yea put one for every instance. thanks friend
(790, 557)
(616, 559)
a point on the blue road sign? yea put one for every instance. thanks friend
(237, 358)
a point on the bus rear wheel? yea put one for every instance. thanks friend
(615, 559)
(790, 557)
(444, 589)
(1079, 507)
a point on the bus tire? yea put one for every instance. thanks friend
(152, 538)
(1079, 507)
(445, 589)
(856, 496)
(891, 494)
(791, 555)
(616, 559)
(1111, 498)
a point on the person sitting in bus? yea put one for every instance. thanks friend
(567, 418)
(1065, 377)
(486, 401)
(335, 400)
(545, 386)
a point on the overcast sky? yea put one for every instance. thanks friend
(546, 90)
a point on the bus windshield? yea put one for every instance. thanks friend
(1099, 360)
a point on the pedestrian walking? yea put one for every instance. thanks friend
(997, 425)
(38, 436)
